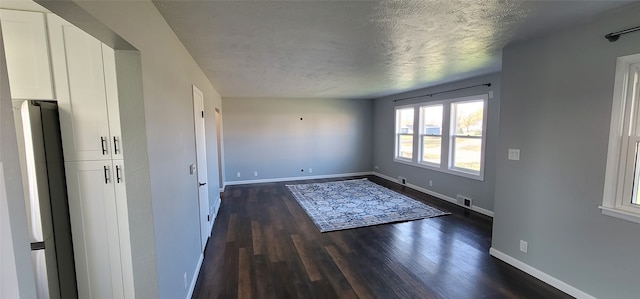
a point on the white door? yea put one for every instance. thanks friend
(201, 164)
(94, 228)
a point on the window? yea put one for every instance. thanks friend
(466, 136)
(431, 134)
(449, 136)
(622, 176)
(404, 133)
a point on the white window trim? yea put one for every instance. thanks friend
(472, 174)
(396, 154)
(613, 203)
(447, 150)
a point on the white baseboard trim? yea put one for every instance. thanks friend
(556, 283)
(194, 278)
(298, 178)
(215, 215)
(437, 195)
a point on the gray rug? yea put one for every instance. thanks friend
(356, 203)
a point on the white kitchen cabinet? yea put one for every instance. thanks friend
(27, 54)
(87, 94)
(85, 82)
(123, 228)
(95, 190)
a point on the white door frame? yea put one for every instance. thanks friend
(218, 120)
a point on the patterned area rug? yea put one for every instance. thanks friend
(356, 203)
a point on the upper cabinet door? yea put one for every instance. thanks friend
(113, 108)
(80, 89)
(27, 53)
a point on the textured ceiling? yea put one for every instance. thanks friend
(357, 49)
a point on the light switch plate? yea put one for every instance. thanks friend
(192, 169)
(514, 154)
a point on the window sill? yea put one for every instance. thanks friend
(624, 215)
(403, 161)
(477, 177)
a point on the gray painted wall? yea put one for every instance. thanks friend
(136, 158)
(267, 136)
(482, 192)
(556, 107)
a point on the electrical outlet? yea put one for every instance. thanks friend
(402, 180)
(238, 174)
(514, 154)
(255, 173)
(310, 170)
(524, 246)
(464, 200)
(430, 183)
(185, 280)
(376, 167)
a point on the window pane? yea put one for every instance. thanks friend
(405, 146)
(431, 149)
(468, 116)
(404, 131)
(467, 153)
(404, 121)
(431, 120)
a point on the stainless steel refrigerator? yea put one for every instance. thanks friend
(46, 200)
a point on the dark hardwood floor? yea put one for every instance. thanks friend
(264, 245)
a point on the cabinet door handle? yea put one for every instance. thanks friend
(106, 174)
(103, 143)
(116, 150)
(118, 176)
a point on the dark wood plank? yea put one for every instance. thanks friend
(352, 277)
(231, 229)
(244, 274)
(262, 277)
(309, 266)
(273, 246)
(256, 234)
(264, 245)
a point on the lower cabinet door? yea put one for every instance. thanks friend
(94, 225)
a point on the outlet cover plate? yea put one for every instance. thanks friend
(514, 154)
(524, 246)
